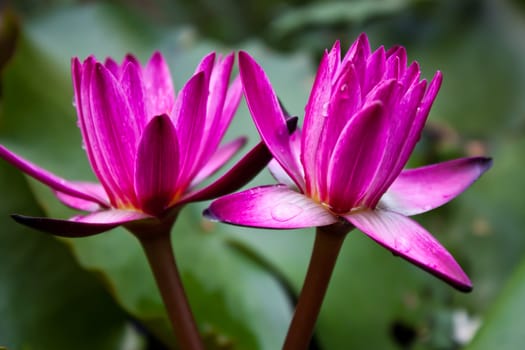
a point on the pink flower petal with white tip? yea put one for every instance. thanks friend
(406, 238)
(422, 189)
(277, 207)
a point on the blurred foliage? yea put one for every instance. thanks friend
(242, 282)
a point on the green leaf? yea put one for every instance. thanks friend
(46, 300)
(503, 326)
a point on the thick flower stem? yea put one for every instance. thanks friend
(328, 242)
(159, 252)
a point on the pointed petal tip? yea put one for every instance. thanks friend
(208, 214)
(62, 228)
(485, 163)
(244, 55)
(407, 239)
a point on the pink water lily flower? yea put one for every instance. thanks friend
(363, 118)
(148, 146)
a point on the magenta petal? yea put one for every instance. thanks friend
(356, 157)
(221, 156)
(277, 207)
(47, 178)
(268, 115)
(113, 134)
(406, 238)
(132, 85)
(419, 190)
(157, 165)
(94, 189)
(216, 121)
(159, 86)
(420, 118)
(316, 111)
(392, 164)
(189, 123)
(81, 226)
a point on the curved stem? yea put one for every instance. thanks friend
(328, 242)
(159, 252)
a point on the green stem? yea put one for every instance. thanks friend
(159, 251)
(328, 242)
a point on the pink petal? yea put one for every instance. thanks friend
(420, 119)
(401, 124)
(277, 207)
(216, 123)
(218, 159)
(268, 115)
(133, 88)
(112, 66)
(375, 69)
(316, 111)
(157, 165)
(56, 183)
(356, 157)
(358, 54)
(159, 86)
(206, 65)
(94, 189)
(189, 123)
(406, 238)
(113, 135)
(396, 62)
(82, 73)
(345, 99)
(334, 58)
(419, 190)
(81, 226)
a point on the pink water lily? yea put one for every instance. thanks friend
(362, 121)
(148, 146)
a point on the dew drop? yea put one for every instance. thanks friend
(324, 112)
(344, 87)
(283, 212)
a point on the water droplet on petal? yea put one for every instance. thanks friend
(285, 211)
(344, 87)
(324, 112)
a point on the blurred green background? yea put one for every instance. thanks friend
(97, 292)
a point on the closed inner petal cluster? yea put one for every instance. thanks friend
(363, 119)
(145, 142)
